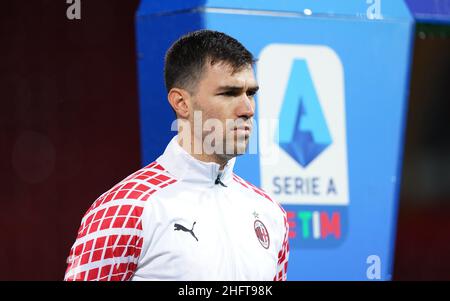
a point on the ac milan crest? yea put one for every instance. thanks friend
(262, 234)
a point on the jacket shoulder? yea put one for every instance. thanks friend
(260, 193)
(129, 197)
(111, 230)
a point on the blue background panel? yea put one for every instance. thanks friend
(375, 55)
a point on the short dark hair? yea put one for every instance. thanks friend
(186, 58)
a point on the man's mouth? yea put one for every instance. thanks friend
(243, 130)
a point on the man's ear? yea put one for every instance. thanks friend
(179, 99)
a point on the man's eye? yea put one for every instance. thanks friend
(228, 93)
(251, 93)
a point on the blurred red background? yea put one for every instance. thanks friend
(70, 130)
(69, 124)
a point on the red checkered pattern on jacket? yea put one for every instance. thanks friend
(283, 254)
(249, 185)
(110, 237)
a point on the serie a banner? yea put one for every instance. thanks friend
(330, 117)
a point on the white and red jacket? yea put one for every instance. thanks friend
(181, 219)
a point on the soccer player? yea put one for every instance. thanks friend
(187, 216)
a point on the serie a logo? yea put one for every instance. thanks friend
(302, 86)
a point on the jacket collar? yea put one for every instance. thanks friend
(183, 166)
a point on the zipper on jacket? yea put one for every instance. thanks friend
(218, 181)
(226, 230)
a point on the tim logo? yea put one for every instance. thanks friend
(302, 87)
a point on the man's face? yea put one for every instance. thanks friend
(226, 102)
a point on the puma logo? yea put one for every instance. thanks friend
(178, 227)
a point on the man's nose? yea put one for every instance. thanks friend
(246, 107)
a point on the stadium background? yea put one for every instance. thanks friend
(70, 128)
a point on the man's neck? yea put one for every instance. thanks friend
(189, 147)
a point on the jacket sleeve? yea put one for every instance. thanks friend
(109, 241)
(283, 254)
